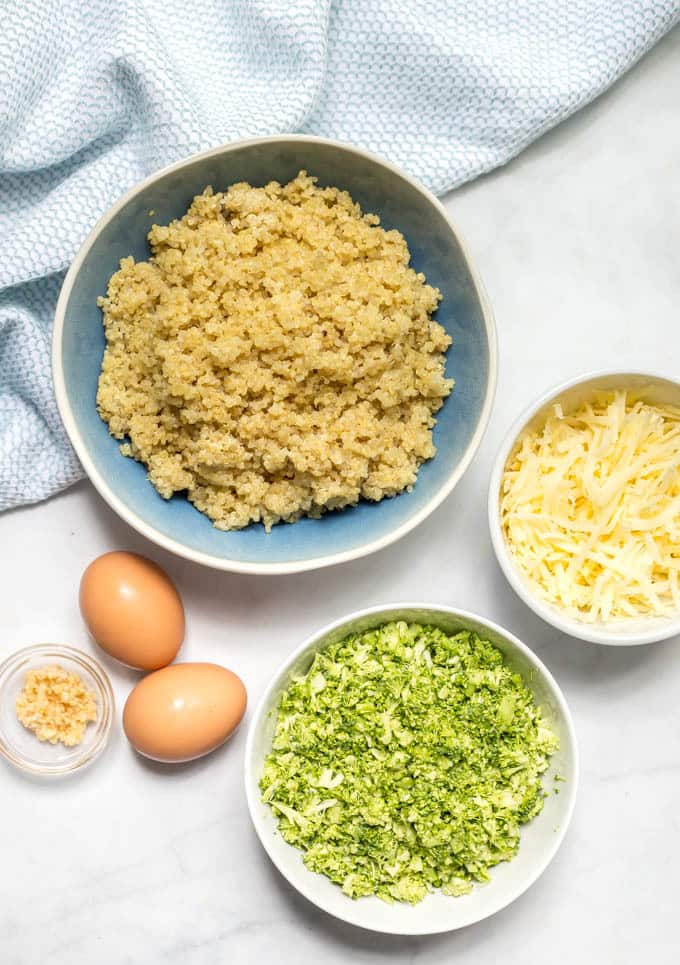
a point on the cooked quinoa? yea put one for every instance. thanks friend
(275, 357)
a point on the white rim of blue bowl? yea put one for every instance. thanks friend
(238, 566)
(255, 804)
(659, 629)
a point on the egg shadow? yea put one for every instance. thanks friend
(181, 768)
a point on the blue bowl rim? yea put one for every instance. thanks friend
(239, 566)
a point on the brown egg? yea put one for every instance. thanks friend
(132, 610)
(184, 711)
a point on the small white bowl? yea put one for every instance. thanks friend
(540, 839)
(658, 389)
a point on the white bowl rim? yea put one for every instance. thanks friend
(255, 805)
(239, 566)
(592, 633)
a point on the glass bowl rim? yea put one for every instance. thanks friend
(83, 660)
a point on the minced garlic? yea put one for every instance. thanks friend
(56, 705)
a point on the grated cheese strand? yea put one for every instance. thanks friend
(590, 508)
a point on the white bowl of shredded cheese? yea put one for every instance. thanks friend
(584, 507)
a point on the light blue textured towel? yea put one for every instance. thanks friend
(95, 94)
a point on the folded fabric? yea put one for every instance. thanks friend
(93, 96)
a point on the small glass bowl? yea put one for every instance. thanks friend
(19, 745)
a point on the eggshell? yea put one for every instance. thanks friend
(184, 711)
(132, 609)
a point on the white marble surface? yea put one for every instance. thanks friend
(129, 862)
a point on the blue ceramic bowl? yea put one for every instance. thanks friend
(437, 250)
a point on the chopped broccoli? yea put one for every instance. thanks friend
(405, 760)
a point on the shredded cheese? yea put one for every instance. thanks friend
(590, 508)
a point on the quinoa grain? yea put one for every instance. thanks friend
(275, 357)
